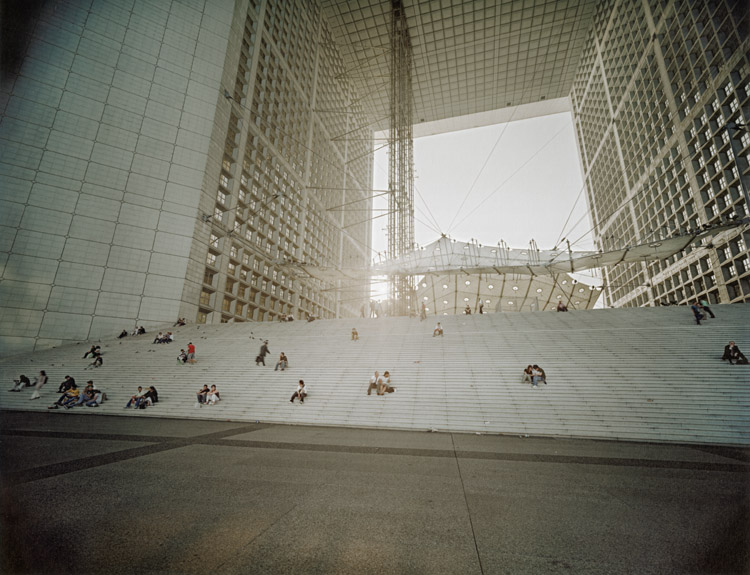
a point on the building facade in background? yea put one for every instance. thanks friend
(657, 87)
(166, 159)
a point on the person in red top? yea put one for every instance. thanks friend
(191, 353)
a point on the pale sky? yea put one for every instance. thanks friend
(526, 190)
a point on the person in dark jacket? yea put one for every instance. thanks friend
(264, 351)
(733, 354)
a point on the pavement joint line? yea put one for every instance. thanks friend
(220, 439)
(466, 502)
(64, 467)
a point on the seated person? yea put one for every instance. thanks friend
(182, 358)
(20, 383)
(387, 383)
(283, 362)
(733, 354)
(212, 396)
(150, 397)
(561, 306)
(67, 383)
(527, 374)
(438, 330)
(159, 338)
(355, 335)
(375, 382)
(97, 398)
(290, 317)
(537, 375)
(86, 395)
(137, 398)
(98, 361)
(69, 396)
(180, 321)
(170, 337)
(123, 333)
(93, 351)
(282, 317)
(301, 392)
(141, 330)
(467, 310)
(202, 394)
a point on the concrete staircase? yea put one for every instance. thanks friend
(631, 374)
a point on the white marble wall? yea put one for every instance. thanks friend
(104, 136)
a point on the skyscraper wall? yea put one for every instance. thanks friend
(168, 159)
(658, 85)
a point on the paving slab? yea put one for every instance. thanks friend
(349, 436)
(340, 501)
(69, 421)
(19, 452)
(596, 448)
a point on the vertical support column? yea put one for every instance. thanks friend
(400, 165)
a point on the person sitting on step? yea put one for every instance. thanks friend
(20, 383)
(70, 395)
(202, 393)
(150, 397)
(93, 351)
(527, 374)
(387, 383)
(283, 362)
(301, 392)
(97, 398)
(355, 334)
(136, 398)
(537, 375)
(375, 382)
(438, 330)
(98, 361)
(212, 396)
(733, 354)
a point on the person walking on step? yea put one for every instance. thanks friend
(423, 312)
(191, 353)
(704, 308)
(264, 350)
(41, 380)
(301, 392)
(697, 312)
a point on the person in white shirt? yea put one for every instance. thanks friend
(375, 382)
(301, 392)
(137, 398)
(212, 396)
(438, 330)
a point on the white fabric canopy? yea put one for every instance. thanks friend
(447, 256)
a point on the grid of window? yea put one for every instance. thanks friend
(679, 168)
(264, 216)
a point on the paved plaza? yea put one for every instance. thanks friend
(104, 494)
